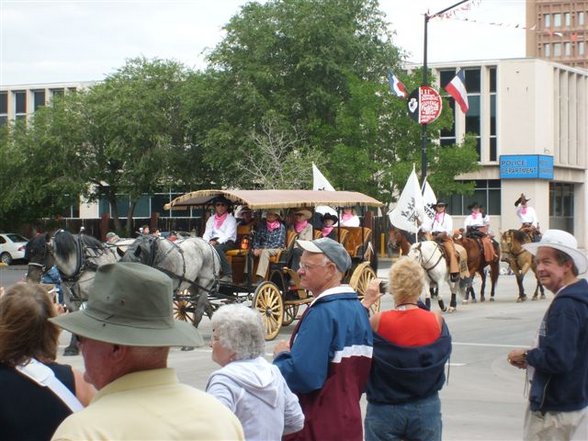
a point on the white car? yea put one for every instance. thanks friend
(12, 247)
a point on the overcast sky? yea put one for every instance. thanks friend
(44, 41)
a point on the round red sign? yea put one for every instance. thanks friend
(424, 105)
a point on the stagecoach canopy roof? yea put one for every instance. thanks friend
(264, 199)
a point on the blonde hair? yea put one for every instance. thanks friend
(407, 280)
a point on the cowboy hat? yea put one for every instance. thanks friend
(564, 242)
(440, 203)
(522, 200)
(304, 212)
(474, 205)
(221, 200)
(130, 304)
(329, 216)
(275, 211)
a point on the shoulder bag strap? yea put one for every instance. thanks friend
(44, 376)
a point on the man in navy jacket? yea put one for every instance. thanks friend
(558, 364)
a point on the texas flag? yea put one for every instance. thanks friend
(456, 88)
(396, 86)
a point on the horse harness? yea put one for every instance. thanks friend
(424, 263)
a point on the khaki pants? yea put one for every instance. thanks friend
(568, 426)
(264, 260)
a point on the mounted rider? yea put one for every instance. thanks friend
(477, 226)
(528, 218)
(441, 228)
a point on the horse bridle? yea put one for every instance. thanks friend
(422, 260)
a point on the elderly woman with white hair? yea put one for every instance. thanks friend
(247, 383)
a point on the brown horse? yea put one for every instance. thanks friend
(520, 260)
(397, 239)
(477, 264)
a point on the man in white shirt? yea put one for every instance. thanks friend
(441, 228)
(221, 233)
(528, 218)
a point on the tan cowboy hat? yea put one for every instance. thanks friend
(275, 211)
(306, 213)
(130, 304)
(562, 241)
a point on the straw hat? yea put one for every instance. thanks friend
(130, 304)
(562, 241)
(306, 213)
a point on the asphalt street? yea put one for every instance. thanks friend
(484, 396)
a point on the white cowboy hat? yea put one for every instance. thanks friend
(562, 241)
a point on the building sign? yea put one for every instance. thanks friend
(424, 105)
(526, 167)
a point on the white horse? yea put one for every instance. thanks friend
(430, 256)
(193, 264)
(76, 256)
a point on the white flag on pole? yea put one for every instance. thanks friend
(409, 211)
(319, 182)
(429, 199)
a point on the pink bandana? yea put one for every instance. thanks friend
(524, 210)
(326, 231)
(475, 215)
(299, 226)
(271, 226)
(218, 220)
(346, 216)
(438, 217)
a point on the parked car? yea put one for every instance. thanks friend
(12, 247)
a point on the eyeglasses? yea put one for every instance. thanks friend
(307, 267)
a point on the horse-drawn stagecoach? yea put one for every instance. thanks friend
(194, 265)
(279, 296)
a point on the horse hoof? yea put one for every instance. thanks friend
(475, 301)
(450, 309)
(534, 298)
(69, 351)
(187, 348)
(491, 299)
(521, 299)
(543, 297)
(483, 299)
(465, 301)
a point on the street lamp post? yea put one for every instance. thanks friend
(426, 83)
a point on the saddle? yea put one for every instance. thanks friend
(533, 232)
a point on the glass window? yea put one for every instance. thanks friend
(568, 19)
(487, 193)
(547, 20)
(472, 81)
(557, 49)
(557, 20)
(143, 209)
(57, 92)
(581, 48)
(157, 203)
(445, 76)
(492, 72)
(3, 102)
(547, 50)
(3, 120)
(20, 99)
(568, 49)
(581, 18)
(473, 115)
(38, 99)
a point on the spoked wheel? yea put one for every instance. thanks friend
(360, 279)
(184, 308)
(290, 313)
(268, 301)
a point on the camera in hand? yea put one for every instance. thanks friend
(383, 287)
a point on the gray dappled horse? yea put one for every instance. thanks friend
(430, 255)
(193, 264)
(77, 256)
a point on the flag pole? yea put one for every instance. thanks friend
(426, 83)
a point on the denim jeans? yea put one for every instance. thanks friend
(418, 420)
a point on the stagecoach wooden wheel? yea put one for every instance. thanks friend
(360, 279)
(268, 301)
(183, 308)
(290, 313)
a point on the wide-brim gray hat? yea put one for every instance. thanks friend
(130, 304)
(562, 241)
(334, 251)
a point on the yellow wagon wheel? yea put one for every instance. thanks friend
(360, 279)
(290, 313)
(184, 308)
(268, 301)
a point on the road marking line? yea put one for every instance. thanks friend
(488, 345)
